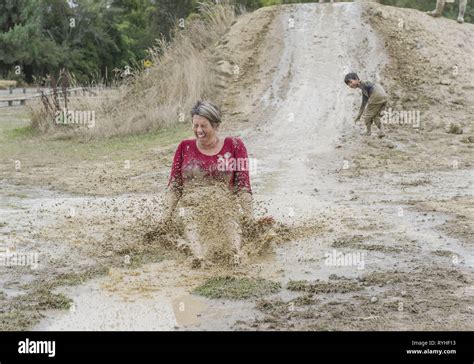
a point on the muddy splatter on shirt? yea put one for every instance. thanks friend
(372, 93)
(229, 166)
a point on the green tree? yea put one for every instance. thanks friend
(24, 43)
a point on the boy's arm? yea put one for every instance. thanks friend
(362, 107)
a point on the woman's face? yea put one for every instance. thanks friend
(203, 129)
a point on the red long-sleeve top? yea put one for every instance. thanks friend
(229, 165)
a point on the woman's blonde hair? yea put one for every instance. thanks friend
(207, 110)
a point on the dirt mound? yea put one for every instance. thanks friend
(431, 61)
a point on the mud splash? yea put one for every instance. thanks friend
(211, 218)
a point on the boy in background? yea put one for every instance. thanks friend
(374, 100)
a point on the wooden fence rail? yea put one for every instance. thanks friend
(22, 99)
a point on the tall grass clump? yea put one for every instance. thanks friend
(178, 73)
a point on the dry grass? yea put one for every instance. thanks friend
(182, 72)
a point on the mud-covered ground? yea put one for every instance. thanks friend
(377, 233)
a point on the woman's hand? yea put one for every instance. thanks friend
(266, 220)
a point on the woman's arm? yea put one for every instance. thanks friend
(242, 178)
(175, 184)
(171, 200)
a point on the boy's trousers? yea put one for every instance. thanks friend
(372, 115)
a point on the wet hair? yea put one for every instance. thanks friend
(207, 110)
(350, 76)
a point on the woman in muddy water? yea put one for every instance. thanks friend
(209, 189)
